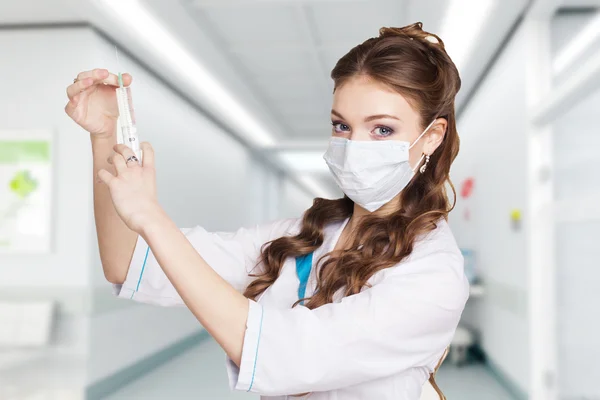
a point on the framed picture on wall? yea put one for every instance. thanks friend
(25, 191)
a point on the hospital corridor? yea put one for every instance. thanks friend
(299, 199)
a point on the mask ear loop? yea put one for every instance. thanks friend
(419, 138)
(422, 134)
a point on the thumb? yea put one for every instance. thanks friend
(106, 177)
(127, 78)
(148, 154)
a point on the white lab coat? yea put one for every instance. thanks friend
(379, 344)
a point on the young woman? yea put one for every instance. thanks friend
(360, 297)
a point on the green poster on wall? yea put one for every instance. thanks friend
(25, 191)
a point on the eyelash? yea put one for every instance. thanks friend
(336, 123)
(390, 130)
(387, 128)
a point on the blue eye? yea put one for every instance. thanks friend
(383, 131)
(339, 127)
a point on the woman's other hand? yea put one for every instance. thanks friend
(93, 101)
(133, 188)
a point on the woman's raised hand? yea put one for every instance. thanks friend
(93, 101)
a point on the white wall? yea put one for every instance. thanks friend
(493, 151)
(204, 177)
(33, 97)
(576, 154)
(294, 201)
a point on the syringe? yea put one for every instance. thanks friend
(127, 126)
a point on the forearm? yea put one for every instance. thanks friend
(221, 309)
(115, 240)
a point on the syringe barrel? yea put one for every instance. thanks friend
(127, 103)
(127, 120)
(130, 138)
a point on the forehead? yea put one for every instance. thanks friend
(362, 97)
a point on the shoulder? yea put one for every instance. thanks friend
(282, 227)
(252, 236)
(438, 248)
(272, 230)
(435, 267)
(437, 240)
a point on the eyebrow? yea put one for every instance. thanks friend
(368, 119)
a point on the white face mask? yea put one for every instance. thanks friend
(371, 173)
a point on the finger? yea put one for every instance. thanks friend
(72, 104)
(78, 96)
(106, 177)
(119, 162)
(78, 87)
(127, 153)
(124, 150)
(113, 80)
(148, 152)
(127, 79)
(96, 74)
(70, 108)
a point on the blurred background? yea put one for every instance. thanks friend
(235, 97)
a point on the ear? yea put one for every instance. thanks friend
(435, 136)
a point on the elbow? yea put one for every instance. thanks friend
(304, 381)
(114, 275)
(115, 280)
(115, 267)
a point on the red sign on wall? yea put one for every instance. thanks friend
(467, 188)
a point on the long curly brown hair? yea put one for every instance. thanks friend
(415, 64)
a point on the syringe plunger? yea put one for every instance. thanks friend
(127, 126)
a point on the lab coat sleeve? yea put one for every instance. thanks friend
(405, 321)
(232, 255)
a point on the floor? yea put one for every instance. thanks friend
(470, 383)
(200, 374)
(41, 375)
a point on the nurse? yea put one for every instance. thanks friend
(358, 298)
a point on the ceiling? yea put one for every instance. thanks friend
(273, 57)
(285, 50)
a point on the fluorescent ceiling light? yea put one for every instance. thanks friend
(462, 25)
(578, 45)
(304, 161)
(137, 18)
